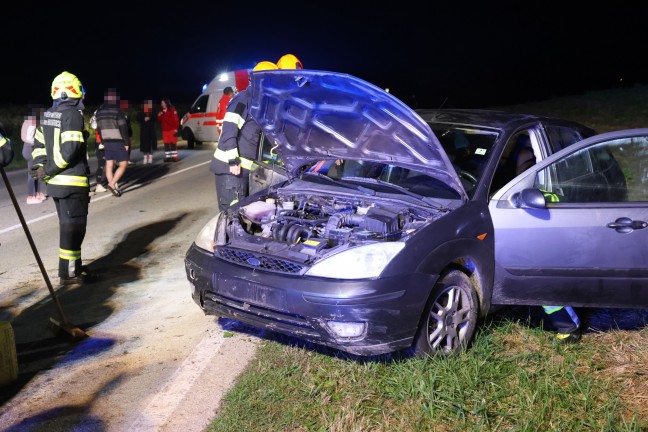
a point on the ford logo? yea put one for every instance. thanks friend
(253, 261)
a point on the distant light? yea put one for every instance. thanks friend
(387, 89)
(620, 79)
(204, 87)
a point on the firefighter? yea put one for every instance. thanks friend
(60, 159)
(237, 147)
(6, 152)
(563, 318)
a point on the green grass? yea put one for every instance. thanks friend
(513, 378)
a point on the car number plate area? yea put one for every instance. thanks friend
(253, 293)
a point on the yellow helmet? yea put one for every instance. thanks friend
(289, 61)
(265, 65)
(67, 85)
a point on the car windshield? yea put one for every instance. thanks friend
(408, 181)
(468, 149)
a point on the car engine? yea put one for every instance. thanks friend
(313, 224)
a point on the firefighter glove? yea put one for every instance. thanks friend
(38, 172)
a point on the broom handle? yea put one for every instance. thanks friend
(64, 321)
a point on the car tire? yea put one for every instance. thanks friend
(450, 318)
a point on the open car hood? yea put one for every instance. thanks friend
(314, 115)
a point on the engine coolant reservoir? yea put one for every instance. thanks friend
(260, 211)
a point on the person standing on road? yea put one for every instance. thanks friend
(6, 152)
(113, 130)
(60, 158)
(169, 121)
(35, 186)
(232, 161)
(228, 94)
(123, 104)
(148, 137)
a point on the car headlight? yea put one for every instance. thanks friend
(206, 236)
(357, 263)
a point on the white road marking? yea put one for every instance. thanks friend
(164, 403)
(95, 198)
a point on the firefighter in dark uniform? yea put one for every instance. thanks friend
(6, 152)
(237, 147)
(563, 318)
(60, 159)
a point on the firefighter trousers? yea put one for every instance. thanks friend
(563, 318)
(73, 218)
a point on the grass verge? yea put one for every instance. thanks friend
(514, 377)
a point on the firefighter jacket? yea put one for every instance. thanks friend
(60, 148)
(6, 152)
(238, 144)
(112, 124)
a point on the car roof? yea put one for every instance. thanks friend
(496, 119)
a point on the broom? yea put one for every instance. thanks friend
(63, 324)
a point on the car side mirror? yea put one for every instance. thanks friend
(529, 198)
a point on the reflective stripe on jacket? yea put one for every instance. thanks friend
(239, 140)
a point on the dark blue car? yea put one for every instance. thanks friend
(399, 229)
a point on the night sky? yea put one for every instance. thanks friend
(454, 53)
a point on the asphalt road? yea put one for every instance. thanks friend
(153, 361)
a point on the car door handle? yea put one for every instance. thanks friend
(626, 225)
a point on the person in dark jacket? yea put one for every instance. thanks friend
(60, 158)
(146, 118)
(112, 125)
(6, 152)
(237, 147)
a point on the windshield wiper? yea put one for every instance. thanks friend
(400, 189)
(364, 190)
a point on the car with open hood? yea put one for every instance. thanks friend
(398, 229)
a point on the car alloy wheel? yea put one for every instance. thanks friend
(450, 318)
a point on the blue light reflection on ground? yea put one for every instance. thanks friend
(89, 347)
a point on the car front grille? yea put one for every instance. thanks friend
(258, 261)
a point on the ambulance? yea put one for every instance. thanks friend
(199, 124)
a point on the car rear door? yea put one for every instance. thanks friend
(589, 247)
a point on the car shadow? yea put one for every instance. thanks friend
(39, 344)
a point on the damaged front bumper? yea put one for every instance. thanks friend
(362, 317)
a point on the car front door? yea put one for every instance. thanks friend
(573, 229)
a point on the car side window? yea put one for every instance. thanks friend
(520, 153)
(200, 106)
(561, 136)
(611, 171)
